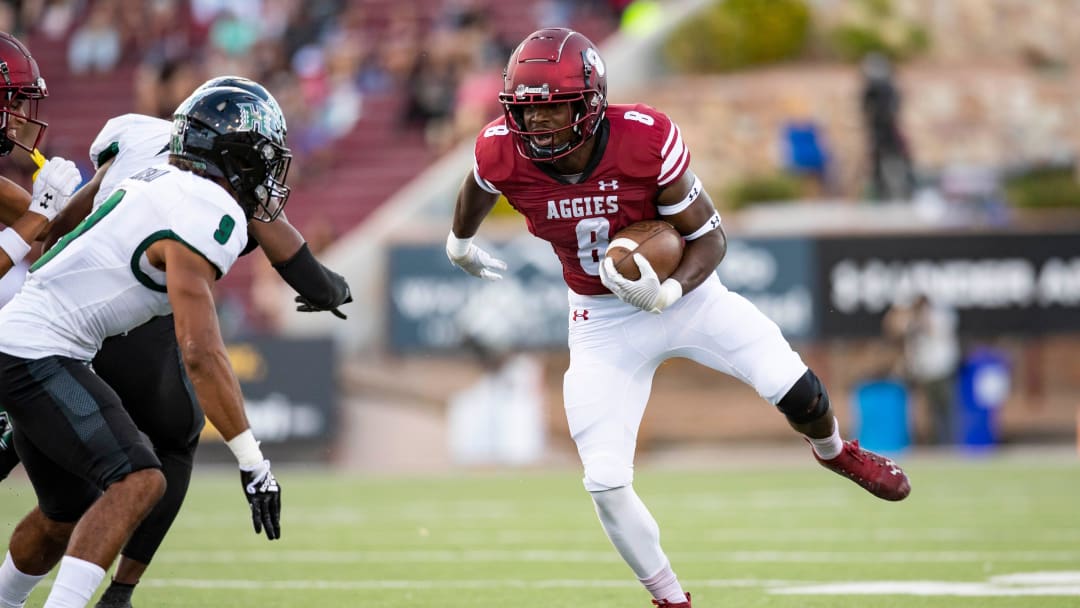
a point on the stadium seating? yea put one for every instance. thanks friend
(366, 166)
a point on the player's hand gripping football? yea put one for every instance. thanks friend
(472, 259)
(264, 496)
(55, 183)
(647, 293)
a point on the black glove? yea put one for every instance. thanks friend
(319, 287)
(306, 306)
(5, 431)
(8, 456)
(264, 495)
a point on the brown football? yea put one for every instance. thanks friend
(657, 240)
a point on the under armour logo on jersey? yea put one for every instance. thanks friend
(613, 184)
(45, 203)
(580, 315)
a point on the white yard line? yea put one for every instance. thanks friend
(1033, 584)
(1070, 536)
(435, 584)
(587, 556)
(931, 588)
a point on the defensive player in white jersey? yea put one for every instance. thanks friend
(155, 246)
(579, 171)
(158, 398)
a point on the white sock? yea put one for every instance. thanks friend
(664, 585)
(632, 529)
(75, 584)
(15, 586)
(831, 446)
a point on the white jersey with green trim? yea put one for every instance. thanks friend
(133, 142)
(96, 281)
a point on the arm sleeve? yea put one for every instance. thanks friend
(316, 283)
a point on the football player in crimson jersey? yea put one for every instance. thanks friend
(26, 216)
(580, 170)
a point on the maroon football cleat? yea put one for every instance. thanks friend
(667, 604)
(876, 474)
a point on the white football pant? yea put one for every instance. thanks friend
(615, 349)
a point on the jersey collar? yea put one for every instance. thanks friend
(594, 160)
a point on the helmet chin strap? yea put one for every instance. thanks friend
(547, 151)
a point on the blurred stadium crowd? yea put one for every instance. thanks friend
(379, 87)
(320, 57)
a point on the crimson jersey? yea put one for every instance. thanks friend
(642, 151)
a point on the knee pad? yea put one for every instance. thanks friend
(806, 401)
(607, 473)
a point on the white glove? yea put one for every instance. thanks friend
(647, 293)
(472, 259)
(55, 184)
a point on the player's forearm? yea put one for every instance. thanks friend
(278, 239)
(700, 259)
(14, 201)
(15, 242)
(467, 226)
(315, 282)
(217, 390)
(473, 205)
(76, 210)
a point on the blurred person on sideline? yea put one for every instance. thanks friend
(806, 155)
(930, 353)
(158, 402)
(499, 419)
(892, 173)
(580, 170)
(95, 45)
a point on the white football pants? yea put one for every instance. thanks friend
(615, 349)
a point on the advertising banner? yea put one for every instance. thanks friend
(290, 394)
(777, 275)
(998, 284)
(434, 306)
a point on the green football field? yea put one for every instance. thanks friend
(986, 532)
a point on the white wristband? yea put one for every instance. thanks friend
(13, 245)
(455, 247)
(245, 449)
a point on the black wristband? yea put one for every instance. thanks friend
(314, 282)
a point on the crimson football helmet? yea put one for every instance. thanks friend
(21, 87)
(553, 66)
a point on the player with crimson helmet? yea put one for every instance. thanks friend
(580, 170)
(25, 214)
(21, 88)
